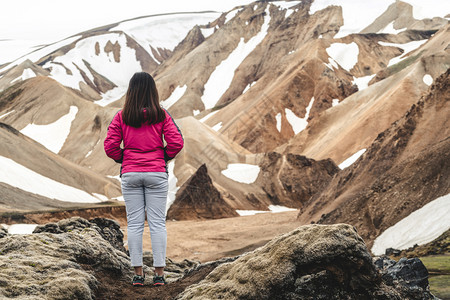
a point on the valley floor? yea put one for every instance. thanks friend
(213, 239)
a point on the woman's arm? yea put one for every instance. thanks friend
(173, 138)
(113, 139)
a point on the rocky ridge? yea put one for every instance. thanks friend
(315, 261)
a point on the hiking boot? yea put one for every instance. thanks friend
(159, 280)
(138, 280)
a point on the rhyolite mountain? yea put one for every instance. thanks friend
(271, 97)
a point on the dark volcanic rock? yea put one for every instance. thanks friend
(199, 199)
(311, 262)
(408, 272)
(107, 228)
(3, 232)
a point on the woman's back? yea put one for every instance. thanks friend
(143, 147)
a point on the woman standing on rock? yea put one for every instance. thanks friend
(143, 126)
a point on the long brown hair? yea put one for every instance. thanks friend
(142, 102)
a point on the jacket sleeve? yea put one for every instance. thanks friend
(113, 139)
(173, 138)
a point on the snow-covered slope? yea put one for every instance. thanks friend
(420, 227)
(99, 63)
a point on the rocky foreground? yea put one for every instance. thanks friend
(80, 259)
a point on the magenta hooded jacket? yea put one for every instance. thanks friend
(143, 148)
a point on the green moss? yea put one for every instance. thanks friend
(403, 64)
(440, 286)
(439, 268)
(437, 264)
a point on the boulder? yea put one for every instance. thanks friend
(58, 266)
(107, 228)
(409, 272)
(311, 262)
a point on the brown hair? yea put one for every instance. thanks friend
(142, 102)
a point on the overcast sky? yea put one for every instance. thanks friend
(25, 24)
(57, 19)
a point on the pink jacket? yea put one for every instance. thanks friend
(143, 147)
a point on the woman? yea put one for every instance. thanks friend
(143, 126)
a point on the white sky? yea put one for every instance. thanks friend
(56, 19)
(25, 24)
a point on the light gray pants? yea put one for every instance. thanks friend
(146, 192)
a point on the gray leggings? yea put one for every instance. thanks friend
(146, 191)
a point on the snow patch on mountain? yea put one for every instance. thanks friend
(173, 188)
(346, 55)
(230, 15)
(207, 31)
(112, 95)
(427, 79)
(349, 161)
(103, 62)
(286, 5)
(272, 209)
(203, 120)
(390, 29)
(26, 74)
(220, 79)
(25, 179)
(52, 136)
(174, 97)
(280, 208)
(21, 228)
(101, 197)
(164, 31)
(362, 82)
(217, 127)
(248, 87)
(357, 14)
(244, 173)
(5, 114)
(278, 119)
(298, 124)
(420, 227)
(41, 52)
(407, 47)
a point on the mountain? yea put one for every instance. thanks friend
(34, 178)
(406, 167)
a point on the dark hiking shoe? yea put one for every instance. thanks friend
(159, 280)
(138, 280)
